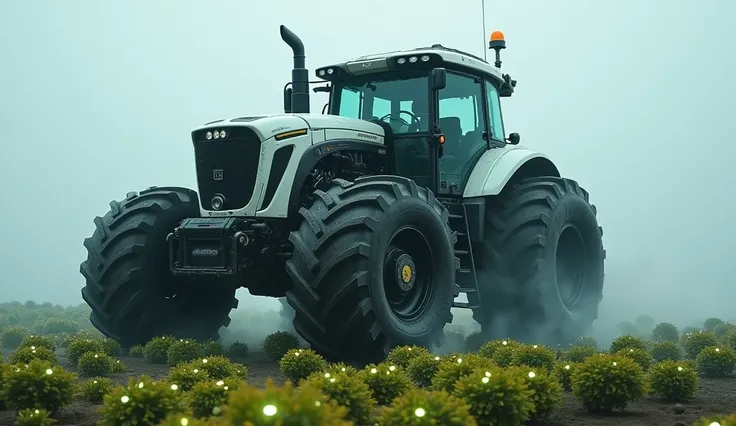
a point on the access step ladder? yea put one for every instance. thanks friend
(466, 276)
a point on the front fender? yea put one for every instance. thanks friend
(498, 165)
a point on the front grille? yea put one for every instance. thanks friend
(227, 166)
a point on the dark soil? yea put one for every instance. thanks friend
(715, 396)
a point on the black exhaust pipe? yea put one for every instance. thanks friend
(299, 75)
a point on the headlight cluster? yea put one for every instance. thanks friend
(412, 59)
(324, 72)
(217, 134)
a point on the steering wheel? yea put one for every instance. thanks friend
(414, 118)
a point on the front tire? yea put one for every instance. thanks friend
(128, 285)
(543, 261)
(373, 267)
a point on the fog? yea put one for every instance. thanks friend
(630, 98)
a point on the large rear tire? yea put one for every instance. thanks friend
(373, 267)
(128, 285)
(542, 262)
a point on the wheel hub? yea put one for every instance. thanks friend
(404, 269)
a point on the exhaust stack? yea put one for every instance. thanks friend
(299, 75)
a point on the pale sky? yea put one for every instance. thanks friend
(630, 98)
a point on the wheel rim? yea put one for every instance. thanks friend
(571, 266)
(407, 274)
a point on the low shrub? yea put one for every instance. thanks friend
(238, 349)
(563, 372)
(279, 343)
(142, 402)
(504, 356)
(60, 326)
(474, 341)
(536, 356)
(185, 376)
(695, 342)
(93, 364)
(38, 342)
(211, 348)
(665, 332)
(348, 391)
(666, 350)
(386, 381)
(496, 396)
(24, 355)
(12, 337)
(34, 417)
(111, 347)
(717, 420)
(78, 346)
(207, 397)
(715, 361)
(722, 330)
(591, 382)
(586, 341)
(711, 323)
(219, 367)
(136, 351)
(38, 385)
(119, 366)
(157, 350)
(578, 353)
(627, 341)
(419, 407)
(673, 381)
(298, 364)
(488, 349)
(340, 367)
(401, 355)
(95, 389)
(423, 369)
(730, 339)
(305, 406)
(451, 370)
(547, 390)
(181, 351)
(639, 356)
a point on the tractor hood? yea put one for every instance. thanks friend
(266, 126)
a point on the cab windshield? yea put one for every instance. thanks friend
(400, 101)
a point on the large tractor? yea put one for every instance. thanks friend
(370, 219)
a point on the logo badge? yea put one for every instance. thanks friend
(218, 174)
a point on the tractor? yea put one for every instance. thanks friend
(371, 220)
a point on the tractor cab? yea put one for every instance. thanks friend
(441, 107)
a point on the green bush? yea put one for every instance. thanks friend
(183, 351)
(279, 343)
(563, 372)
(219, 367)
(60, 326)
(722, 330)
(419, 407)
(78, 346)
(118, 366)
(95, 389)
(348, 391)
(488, 349)
(718, 419)
(592, 378)
(474, 341)
(715, 361)
(386, 381)
(12, 337)
(4, 370)
(451, 370)
(639, 356)
(157, 350)
(673, 381)
(305, 406)
(401, 355)
(24, 355)
(496, 396)
(547, 390)
(423, 369)
(586, 341)
(38, 342)
(505, 356)
(38, 385)
(730, 339)
(211, 348)
(136, 351)
(339, 367)
(111, 347)
(298, 364)
(627, 341)
(578, 353)
(92, 364)
(695, 342)
(207, 397)
(142, 402)
(711, 323)
(238, 349)
(666, 350)
(34, 417)
(185, 376)
(536, 356)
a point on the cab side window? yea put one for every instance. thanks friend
(494, 112)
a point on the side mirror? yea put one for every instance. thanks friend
(439, 78)
(287, 99)
(513, 139)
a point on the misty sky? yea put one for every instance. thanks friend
(630, 98)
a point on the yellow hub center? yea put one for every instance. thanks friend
(406, 273)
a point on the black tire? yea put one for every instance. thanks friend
(340, 249)
(128, 285)
(540, 235)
